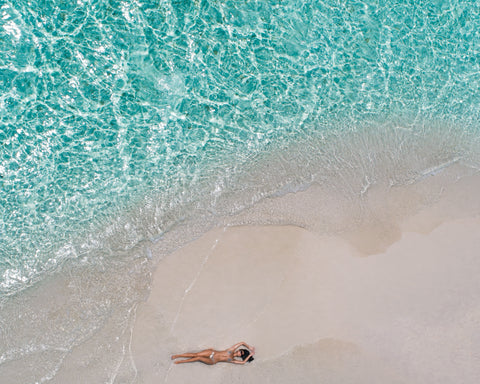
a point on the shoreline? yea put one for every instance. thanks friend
(325, 287)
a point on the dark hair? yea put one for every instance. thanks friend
(244, 353)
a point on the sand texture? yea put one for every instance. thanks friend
(317, 309)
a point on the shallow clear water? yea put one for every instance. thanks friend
(121, 120)
(105, 103)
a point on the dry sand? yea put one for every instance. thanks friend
(317, 309)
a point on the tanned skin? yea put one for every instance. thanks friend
(231, 355)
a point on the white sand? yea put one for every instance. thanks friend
(317, 309)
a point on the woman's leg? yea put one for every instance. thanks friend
(204, 360)
(187, 360)
(203, 356)
(184, 355)
(204, 353)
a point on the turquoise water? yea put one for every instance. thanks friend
(104, 104)
(122, 120)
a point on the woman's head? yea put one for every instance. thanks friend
(244, 354)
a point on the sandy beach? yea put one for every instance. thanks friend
(396, 302)
(383, 288)
(183, 175)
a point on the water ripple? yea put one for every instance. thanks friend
(104, 105)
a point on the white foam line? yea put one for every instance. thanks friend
(438, 168)
(117, 368)
(192, 284)
(130, 344)
(131, 322)
(168, 372)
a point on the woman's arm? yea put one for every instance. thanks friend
(238, 362)
(236, 346)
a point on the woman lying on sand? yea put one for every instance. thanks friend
(234, 355)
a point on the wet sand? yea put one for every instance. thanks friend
(394, 302)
